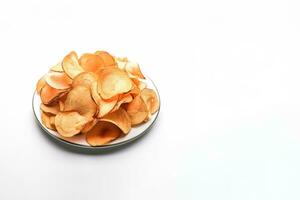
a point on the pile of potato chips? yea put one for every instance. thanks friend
(98, 95)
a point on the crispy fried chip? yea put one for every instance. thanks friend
(113, 81)
(57, 68)
(102, 133)
(58, 80)
(121, 62)
(150, 98)
(108, 59)
(40, 84)
(137, 110)
(50, 109)
(61, 102)
(120, 118)
(123, 98)
(49, 94)
(79, 99)
(69, 124)
(134, 69)
(89, 126)
(52, 122)
(46, 120)
(71, 66)
(84, 79)
(140, 84)
(91, 62)
(105, 106)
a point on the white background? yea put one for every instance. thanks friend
(228, 75)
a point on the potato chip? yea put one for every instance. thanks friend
(71, 123)
(61, 102)
(57, 68)
(89, 126)
(84, 79)
(150, 98)
(79, 99)
(104, 106)
(50, 109)
(46, 120)
(58, 80)
(49, 94)
(108, 59)
(52, 122)
(102, 133)
(71, 66)
(134, 69)
(137, 110)
(113, 81)
(140, 84)
(121, 62)
(40, 84)
(120, 118)
(123, 98)
(61, 105)
(91, 62)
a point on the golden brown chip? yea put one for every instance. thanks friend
(46, 120)
(150, 98)
(137, 110)
(91, 62)
(140, 84)
(104, 106)
(40, 84)
(50, 109)
(102, 133)
(123, 98)
(71, 65)
(52, 122)
(69, 124)
(49, 94)
(121, 62)
(134, 69)
(79, 99)
(61, 105)
(120, 118)
(57, 68)
(58, 80)
(89, 126)
(113, 81)
(84, 79)
(61, 102)
(108, 59)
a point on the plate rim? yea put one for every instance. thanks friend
(107, 146)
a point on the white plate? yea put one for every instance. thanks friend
(79, 141)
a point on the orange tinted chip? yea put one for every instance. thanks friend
(102, 133)
(69, 124)
(137, 110)
(57, 68)
(50, 109)
(71, 65)
(150, 98)
(84, 79)
(46, 120)
(58, 80)
(49, 94)
(40, 84)
(79, 99)
(91, 62)
(134, 69)
(120, 118)
(108, 59)
(113, 81)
